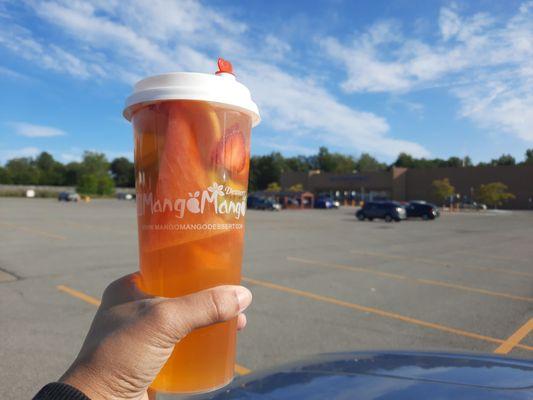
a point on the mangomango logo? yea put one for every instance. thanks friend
(222, 198)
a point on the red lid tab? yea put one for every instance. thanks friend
(224, 67)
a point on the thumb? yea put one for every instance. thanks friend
(204, 308)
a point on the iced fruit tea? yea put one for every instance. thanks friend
(191, 163)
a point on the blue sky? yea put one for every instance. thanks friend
(430, 78)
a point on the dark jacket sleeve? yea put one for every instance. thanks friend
(59, 391)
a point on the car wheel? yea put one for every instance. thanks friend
(388, 218)
(360, 217)
(425, 217)
(370, 219)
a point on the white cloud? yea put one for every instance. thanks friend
(485, 61)
(126, 40)
(35, 131)
(10, 73)
(8, 154)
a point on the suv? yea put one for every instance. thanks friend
(387, 210)
(421, 209)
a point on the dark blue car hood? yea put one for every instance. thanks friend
(388, 375)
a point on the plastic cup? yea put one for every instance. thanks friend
(192, 151)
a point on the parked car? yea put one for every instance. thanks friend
(68, 196)
(125, 196)
(324, 202)
(421, 209)
(261, 203)
(387, 210)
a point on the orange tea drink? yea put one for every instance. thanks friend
(192, 151)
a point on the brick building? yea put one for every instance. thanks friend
(412, 184)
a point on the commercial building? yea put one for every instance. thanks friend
(405, 184)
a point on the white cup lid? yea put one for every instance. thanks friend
(221, 88)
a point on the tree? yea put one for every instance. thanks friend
(505, 159)
(404, 160)
(298, 187)
(265, 169)
(529, 157)
(51, 172)
(297, 164)
(442, 189)
(273, 187)
(4, 176)
(22, 171)
(493, 194)
(105, 186)
(93, 176)
(454, 162)
(467, 162)
(367, 163)
(71, 173)
(88, 184)
(335, 162)
(123, 172)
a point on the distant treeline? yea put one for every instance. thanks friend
(95, 174)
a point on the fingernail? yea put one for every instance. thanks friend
(244, 298)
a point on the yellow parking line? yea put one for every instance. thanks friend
(80, 295)
(242, 370)
(500, 258)
(442, 263)
(515, 338)
(34, 231)
(95, 302)
(347, 267)
(377, 311)
(412, 280)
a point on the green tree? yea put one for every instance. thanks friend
(298, 187)
(105, 185)
(22, 171)
(94, 163)
(265, 169)
(273, 187)
(404, 160)
(51, 172)
(123, 172)
(493, 194)
(4, 176)
(368, 163)
(72, 173)
(334, 162)
(297, 164)
(504, 159)
(87, 184)
(454, 162)
(442, 189)
(529, 156)
(467, 162)
(93, 177)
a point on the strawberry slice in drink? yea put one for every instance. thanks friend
(231, 151)
(182, 180)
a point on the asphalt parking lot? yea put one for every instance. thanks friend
(322, 282)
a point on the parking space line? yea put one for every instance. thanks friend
(381, 313)
(500, 258)
(347, 267)
(442, 263)
(412, 280)
(34, 231)
(515, 338)
(241, 370)
(80, 295)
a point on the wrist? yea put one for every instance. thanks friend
(88, 382)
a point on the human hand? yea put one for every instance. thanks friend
(133, 334)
